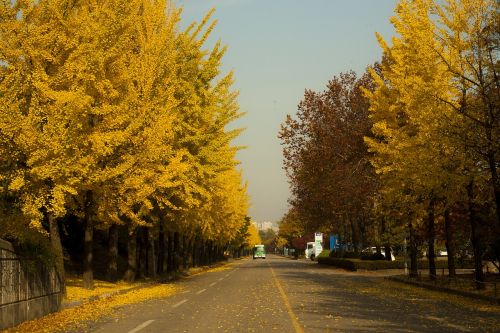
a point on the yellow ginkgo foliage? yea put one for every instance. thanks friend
(253, 236)
(435, 132)
(111, 113)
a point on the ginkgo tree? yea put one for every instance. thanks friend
(424, 110)
(112, 114)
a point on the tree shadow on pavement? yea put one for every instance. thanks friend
(337, 300)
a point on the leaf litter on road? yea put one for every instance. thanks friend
(78, 317)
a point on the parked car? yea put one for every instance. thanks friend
(373, 250)
(442, 253)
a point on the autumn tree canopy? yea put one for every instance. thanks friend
(413, 148)
(111, 113)
(326, 159)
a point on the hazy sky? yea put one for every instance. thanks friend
(277, 49)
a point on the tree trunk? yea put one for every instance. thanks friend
(388, 252)
(88, 272)
(152, 257)
(355, 234)
(496, 187)
(143, 253)
(205, 253)
(193, 252)
(55, 241)
(112, 273)
(170, 252)
(201, 253)
(185, 257)
(376, 237)
(450, 247)
(413, 252)
(148, 252)
(362, 232)
(161, 249)
(176, 251)
(131, 272)
(211, 253)
(476, 243)
(387, 246)
(431, 238)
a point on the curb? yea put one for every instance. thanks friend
(444, 289)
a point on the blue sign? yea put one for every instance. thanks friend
(334, 242)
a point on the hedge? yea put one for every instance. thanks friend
(348, 264)
(371, 265)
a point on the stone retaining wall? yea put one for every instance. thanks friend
(27, 289)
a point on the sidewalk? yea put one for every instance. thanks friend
(77, 295)
(462, 285)
(458, 286)
(84, 306)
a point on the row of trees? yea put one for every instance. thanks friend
(326, 160)
(412, 149)
(110, 113)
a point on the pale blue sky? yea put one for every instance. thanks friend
(277, 49)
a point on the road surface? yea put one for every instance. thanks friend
(278, 294)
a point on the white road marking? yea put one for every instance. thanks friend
(221, 279)
(180, 303)
(212, 284)
(141, 326)
(201, 291)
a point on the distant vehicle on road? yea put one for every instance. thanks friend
(259, 251)
(313, 249)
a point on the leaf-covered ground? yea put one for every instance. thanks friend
(76, 292)
(77, 317)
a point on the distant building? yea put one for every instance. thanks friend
(266, 225)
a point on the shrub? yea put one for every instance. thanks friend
(352, 255)
(324, 253)
(340, 254)
(337, 262)
(373, 256)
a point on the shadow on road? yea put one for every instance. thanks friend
(355, 302)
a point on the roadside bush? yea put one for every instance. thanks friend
(352, 255)
(373, 265)
(324, 253)
(348, 255)
(373, 256)
(337, 262)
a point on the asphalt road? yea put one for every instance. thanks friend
(283, 295)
